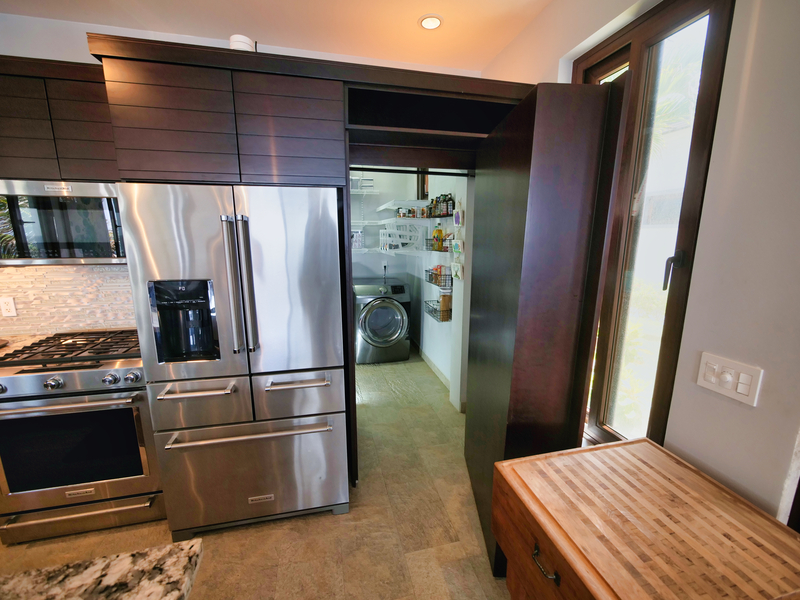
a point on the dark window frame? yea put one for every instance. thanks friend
(631, 45)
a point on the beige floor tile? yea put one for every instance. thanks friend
(421, 518)
(319, 579)
(426, 575)
(374, 568)
(462, 583)
(243, 582)
(371, 490)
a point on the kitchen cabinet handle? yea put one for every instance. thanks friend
(174, 445)
(13, 524)
(246, 256)
(64, 407)
(233, 281)
(165, 395)
(296, 385)
(555, 576)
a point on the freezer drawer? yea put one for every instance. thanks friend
(296, 394)
(181, 404)
(224, 474)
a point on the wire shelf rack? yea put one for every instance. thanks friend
(443, 281)
(432, 308)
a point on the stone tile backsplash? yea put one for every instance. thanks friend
(50, 299)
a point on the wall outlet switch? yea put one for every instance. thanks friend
(730, 378)
(7, 307)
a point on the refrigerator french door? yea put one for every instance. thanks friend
(220, 273)
(237, 294)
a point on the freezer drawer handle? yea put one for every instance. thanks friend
(64, 407)
(296, 385)
(251, 321)
(233, 281)
(165, 395)
(173, 445)
(12, 522)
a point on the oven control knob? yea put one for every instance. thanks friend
(54, 383)
(133, 377)
(3, 389)
(111, 379)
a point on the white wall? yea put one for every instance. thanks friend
(564, 30)
(746, 278)
(66, 40)
(745, 285)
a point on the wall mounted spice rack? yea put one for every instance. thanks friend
(432, 308)
(442, 281)
(447, 244)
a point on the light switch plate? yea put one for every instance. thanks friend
(747, 375)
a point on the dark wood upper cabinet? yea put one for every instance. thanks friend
(290, 129)
(27, 149)
(54, 121)
(172, 122)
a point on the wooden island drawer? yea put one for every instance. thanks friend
(632, 521)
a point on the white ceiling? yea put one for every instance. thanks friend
(472, 34)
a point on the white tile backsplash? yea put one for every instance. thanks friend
(50, 299)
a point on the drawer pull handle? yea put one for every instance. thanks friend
(165, 395)
(57, 408)
(12, 522)
(296, 385)
(555, 576)
(173, 444)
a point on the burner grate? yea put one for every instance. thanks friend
(76, 347)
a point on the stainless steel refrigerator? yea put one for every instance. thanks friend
(237, 294)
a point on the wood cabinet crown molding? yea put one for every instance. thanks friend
(51, 69)
(109, 46)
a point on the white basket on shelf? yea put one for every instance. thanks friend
(402, 236)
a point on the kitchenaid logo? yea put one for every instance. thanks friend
(57, 188)
(78, 493)
(257, 499)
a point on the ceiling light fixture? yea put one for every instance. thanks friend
(430, 21)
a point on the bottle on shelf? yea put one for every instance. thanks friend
(438, 238)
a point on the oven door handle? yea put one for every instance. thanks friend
(165, 395)
(228, 237)
(64, 407)
(246, 256)
(297, 385)
(13, 524)
(172, 444)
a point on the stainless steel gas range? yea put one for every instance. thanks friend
(76, 440)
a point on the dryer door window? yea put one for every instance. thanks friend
(383, 322)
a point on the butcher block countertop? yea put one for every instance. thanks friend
(631, 520)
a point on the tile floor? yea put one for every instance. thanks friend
(412, 530)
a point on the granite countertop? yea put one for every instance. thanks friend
(155, 573)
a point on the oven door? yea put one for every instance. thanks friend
(73, 449)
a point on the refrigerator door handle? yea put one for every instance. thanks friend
(233, 282)
(251, 325)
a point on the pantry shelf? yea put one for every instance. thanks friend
(395, 204)
(433, 309)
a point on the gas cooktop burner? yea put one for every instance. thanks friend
(82, 346)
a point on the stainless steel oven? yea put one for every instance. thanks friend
(75, 449)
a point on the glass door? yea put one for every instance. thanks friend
(674, 68)
(674, 55)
